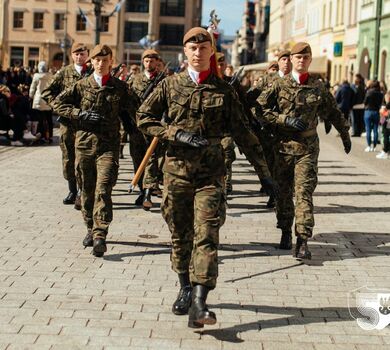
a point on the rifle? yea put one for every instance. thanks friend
(155, 140)
(236, 76)
(154, 83)
(115, 70)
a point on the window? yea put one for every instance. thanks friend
(18, 19)
(171, 34)
(81, 23)
(137, 6)
(135, 31)
(17, 55)
(104, 27)
(59, 21)
(172, 8)
(33, 57)
(38, 20)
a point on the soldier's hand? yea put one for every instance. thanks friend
(296, 123)
(347, 143)
(90, 118)
(191, 139)
(269, 186)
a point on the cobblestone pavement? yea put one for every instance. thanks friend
(55, 295)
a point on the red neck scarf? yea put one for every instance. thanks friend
(203, 76)
(153, 74)
(303, 78)
(84, 69)
(105, 79)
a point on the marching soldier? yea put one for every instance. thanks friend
(227, 141)
(292, 105)
(96, 103)
(63, 80)
(139, 84)
(203, 109)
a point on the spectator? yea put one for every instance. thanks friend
(385, 121)
(5, 113)
(42, 113)
(358, 106)
(344, 98)
(372, 104)
(21, 115)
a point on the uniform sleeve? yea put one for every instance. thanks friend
(246, 140)
(328, 110)
(54, 88)
(67, 103)
(150, 113)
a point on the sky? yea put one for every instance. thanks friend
(228, 11)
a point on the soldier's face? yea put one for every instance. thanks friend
(80, 57)
(301, 62)
(222, 67)
(198, 55)
(285, 65)
(102, 64)
(150, 64)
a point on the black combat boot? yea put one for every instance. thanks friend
(286, 240)
(147, 202)
(99, 247)
(77, 202)
(71, 197)
(271, 202)
(199, 314)
(183, 300)
(88, 239)
(301, 249)
(138, 202)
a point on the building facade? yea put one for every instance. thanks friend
(251, 42)
(36, 30)
(331, 28)
(374, 40)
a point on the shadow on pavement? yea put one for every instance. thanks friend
(296, 316)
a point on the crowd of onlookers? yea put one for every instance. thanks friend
(366, 104)
(25, 117)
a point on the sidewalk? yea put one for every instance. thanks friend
(55, 295)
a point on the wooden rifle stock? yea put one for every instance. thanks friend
(143, 164)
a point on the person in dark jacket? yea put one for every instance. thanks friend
(358, 107)
(372, 104)
(345, 98)
(21, 110)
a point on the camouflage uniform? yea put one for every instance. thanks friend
(297, 152)
(64, 79)
(97, 151)
(152, 174)
(193, 202)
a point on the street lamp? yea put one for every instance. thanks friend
(98, 19)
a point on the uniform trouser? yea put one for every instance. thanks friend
(230, 156)
(194, 211)
(67, 144)
(297, 172)
(137, 148)
(153, 170)
(98, 171)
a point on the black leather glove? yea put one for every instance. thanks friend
(191, 139)
(90, 120)
(328, 126)
(269, 186)
(296, 123)
(347, 143)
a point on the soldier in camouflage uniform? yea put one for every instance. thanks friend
(96, 103)
(203, 109)
(292, 105)
(227, 142)
(64, 79)
(139, 84)
(263, 130)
